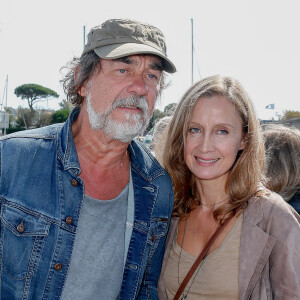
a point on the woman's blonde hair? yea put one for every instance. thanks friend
(282, 171)
(246, 172)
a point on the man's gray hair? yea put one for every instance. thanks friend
(79, 72)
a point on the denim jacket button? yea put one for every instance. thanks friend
(74, 182)
(69, 220)
(58, 266)
(152, 237)
(21, 227)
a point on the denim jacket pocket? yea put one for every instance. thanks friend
(158, 229)
(23, 234)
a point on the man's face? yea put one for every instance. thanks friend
(120, 98)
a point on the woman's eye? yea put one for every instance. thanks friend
(194, 130)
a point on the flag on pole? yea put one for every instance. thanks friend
(270, 106)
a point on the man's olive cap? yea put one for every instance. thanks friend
(123, 37)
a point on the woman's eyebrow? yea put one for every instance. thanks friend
(217, 124)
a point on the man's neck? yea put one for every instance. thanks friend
(95, 145)
(104, 162)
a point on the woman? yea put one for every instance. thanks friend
(282, 169)
(215, 156)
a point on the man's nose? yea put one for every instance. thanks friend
(138, 86)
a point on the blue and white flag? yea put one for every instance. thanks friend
(270, 106)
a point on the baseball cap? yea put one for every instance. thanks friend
(117, 38)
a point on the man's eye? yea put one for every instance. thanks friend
(122, 71)
(222, 131)
(152, 76)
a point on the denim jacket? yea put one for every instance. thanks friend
(41, 195)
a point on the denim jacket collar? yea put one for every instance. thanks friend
(68, 154)
(66, 146)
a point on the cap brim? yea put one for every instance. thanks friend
(120, 50)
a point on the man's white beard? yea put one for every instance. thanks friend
(124, 131)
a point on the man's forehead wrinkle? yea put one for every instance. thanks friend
(126, 60)
(156, 65)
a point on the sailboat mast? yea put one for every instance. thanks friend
(83, 36)
(4, 94)
(6, 90)
(192, 30)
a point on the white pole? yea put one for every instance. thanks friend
(192, 25)
(83, 36)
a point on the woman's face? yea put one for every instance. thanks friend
(213, 139)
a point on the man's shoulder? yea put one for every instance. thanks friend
(24, 142)
(47, 132)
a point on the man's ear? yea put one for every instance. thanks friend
(82, 90)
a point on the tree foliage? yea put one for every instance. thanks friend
(157, 114)
(289, 114)
(33, 119)
(43, 118)
(25, 117)
(60, 116)
(169, 109)
(34, 93)
(65, 104)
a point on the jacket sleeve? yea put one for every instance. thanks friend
(285, 259)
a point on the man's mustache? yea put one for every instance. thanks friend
(139, 102)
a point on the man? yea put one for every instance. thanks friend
(84, 208)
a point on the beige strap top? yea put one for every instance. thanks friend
(217, 276)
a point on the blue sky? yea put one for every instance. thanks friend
(255, 41)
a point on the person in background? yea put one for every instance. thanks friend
(282, 171)
(85, 209)
(158, 135)
(215, 156)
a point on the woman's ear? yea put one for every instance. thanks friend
(244, 142)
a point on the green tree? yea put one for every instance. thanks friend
(24, 117)
(157, 114)
(169, 109)
(28, 119)
(289, 114)
(60, 116)
(34, 93)
(42, 118)
(65, 104)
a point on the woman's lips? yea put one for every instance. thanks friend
(207, 160)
